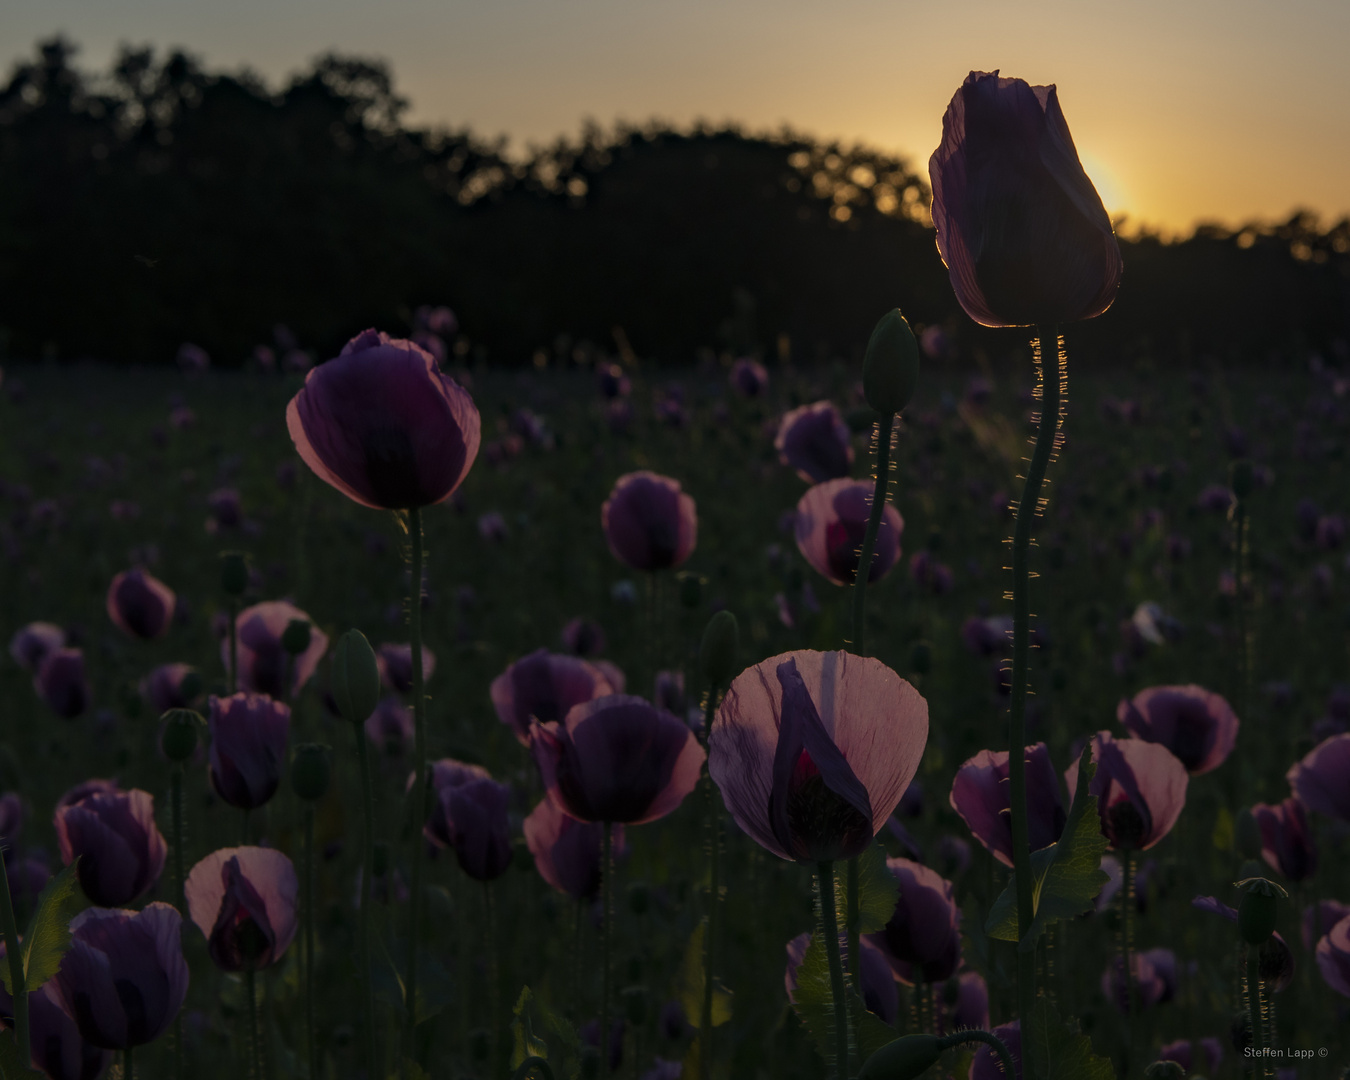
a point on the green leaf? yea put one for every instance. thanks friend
(1059, 1052)
(877, 889)
(12, 1067)
(525, 1043)
(690, 980)
(1066, 877)
(48, 935)
(814, 1002)
(435, 990)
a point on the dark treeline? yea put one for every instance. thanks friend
(157, 203)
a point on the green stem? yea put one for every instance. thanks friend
(494, 981)
(234, 646)
(16, 972)
(1017, 777)
(1254, 1005)
(882, 474)
(251, 988)
(958, 1037)
(310, 1041)
(607, 916)
(128, 1065)
(829, 927)
(853, 923)
(1126, 948)
(714, 832)
(367, 865)
(176, 805)
(419, 788)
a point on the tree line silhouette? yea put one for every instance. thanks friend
(158, 202)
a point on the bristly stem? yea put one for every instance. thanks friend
(958, 1037)
(176, 807)
(494, 980)
(251, 988)
(308, 885)
(16, 972)
(1027, 508)
(234, 645)
(367, 868)
(606, 917)
(1126, 949)
(1254, 1006)
(829, 927)
(713, 828)
(419, 788)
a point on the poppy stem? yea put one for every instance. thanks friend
(233, 608)
(882, 438)
(128, 1066)
(989, 1039)
(1126, 947)
(367, 864)
(16, 972)
(714, 830)
(1027, 509)
(494, 981)
(606, 917)
(419, 788)
(307, 883)
(176, 806)
(1254, 1006)
(251, 989)
(829, 922)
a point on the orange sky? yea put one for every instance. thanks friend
(1182, 110)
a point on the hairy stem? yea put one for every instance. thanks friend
(311, 1042)
(367, 885)
(419, 789)
(829, 924)
(607, 917)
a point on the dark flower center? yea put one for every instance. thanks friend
(823, 825)
(1126, 827)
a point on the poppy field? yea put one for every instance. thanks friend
(406, 716)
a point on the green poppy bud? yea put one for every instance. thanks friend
(903, 1059)
(179, 739)
(356, 678)
(312, 771)
(891, 365)
(295, 638)
(233, 573)
(719, 653)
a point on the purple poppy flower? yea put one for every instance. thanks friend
(980, 795)
(749, 378)
(612, 381)
(617, 759)
(473, 817)
(545, 686)
(1019, 224)
(1333, 957)
(124, 978)
(566, 851)
(1140, 788)
(395, 664)
(1216, 498)
(986, 1064)
(1319, 918)
(57, 1049)
(113, 833)
(30, 646)
(812, 751)
(815, 441)
(582, 637)
(244, 899)
(60, 682)
(1183, 1053)
(1286, 841)
(248, 747)
(922, 939)
(27, 878)
(226, 510)
(384, 426)
(881, 996)
(1153, 973)
(963, 1002)
(990, 636)
(139, 604)
(1198, 726)
(649, 523)
(171, 686)
(930, 575)
(264, 665)
(391, 727)
(1276, 963)
(1330, 532)
(830, 524)
(1322, 779)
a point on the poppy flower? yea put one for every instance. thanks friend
(57, 1048)
(830, 524)
(382, 425)
(113, 834)
(473, 821)
(815, 441)
(881, 996)
(812, 751)
(171, 686)
(1319, 918)
(617, 759)
(30, 646)
(248, 747)
(391, 727)
(394, 662)
(1140, 788)
(124, 978)
(1322, 779)
(567, 852)
(140, 605)
(1286, 840)
(963, 1002)
(980, 794)
(244, 899)
(1021, 228)
(264, 665)
(749, 378)
(1197, 725)
(922, 939)
(61, 683)
(649, 523)
(544, 686)
(1333, 957)
(1276, 962)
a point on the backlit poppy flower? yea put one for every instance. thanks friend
(1322, 779)
(113, 834)
(814, 440)
(749, 378)
(139, 604)
(1276, 960)
(264, 665)
(61, 682)
(248, 747)
(30, 646)
(544, 686)
(1286, 841)
(382, 425)
(1197, 725)
(812, 751)
(963, 1002)
(649, 523)
(566, 851)
(1333, 957)
(473, 819)
(922, 939)
(617, 759)
(57, 1048)
(395, 665)
(980, 794)
(1140, 788)
(830, 524)
(1021, 228)
(244, 899)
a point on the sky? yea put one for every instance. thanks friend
(1182, 110)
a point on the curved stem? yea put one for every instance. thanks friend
(1017, 778)
(829, 927)
(308, 884)
(999, 1047)
(419, 789)
(16, 972)
(528, 1066)
(607, 916)
(367, 865)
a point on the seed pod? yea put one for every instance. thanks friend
(356, 677)
(903, 1059)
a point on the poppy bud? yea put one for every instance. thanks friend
(356, 677)
(903, 1059)
(1256, 913)
(1247, 834)
(233, 573)
(295, 638)
(719, 651)
(891, 364)
(180, 734)
(1242, 479)
(311, 771)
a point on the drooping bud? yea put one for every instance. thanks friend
(295, 638)
(356, 677)
(312, 770)
(1256, 912)
(719, 652)
(179, 739)
(903, 1059)
(891, 364)
(233, 573)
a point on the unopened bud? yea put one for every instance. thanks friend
(312, 771)
(719, 653)
(179, 738)
(233, 573)
(903, 1059)
(356, 677)
(891, 364)
(295, 638)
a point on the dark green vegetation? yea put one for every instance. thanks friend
(81, 437)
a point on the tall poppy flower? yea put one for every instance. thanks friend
(1021, 228)
(472, 820)
(649, 522)
(980, 795)
(544, 686)
(812, 751)
(815, 441)
(61, 682)
(1140, 788)
(248, 747)
(139, 604)
(382, 425)
(830, 525)
(1196, 724)
(1322, 779)
(922, 939)
(244, 900)
(113, 834)
(57, 1048)
(30, 645)
(1286, 840)
(264, 664)
(567, 852)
